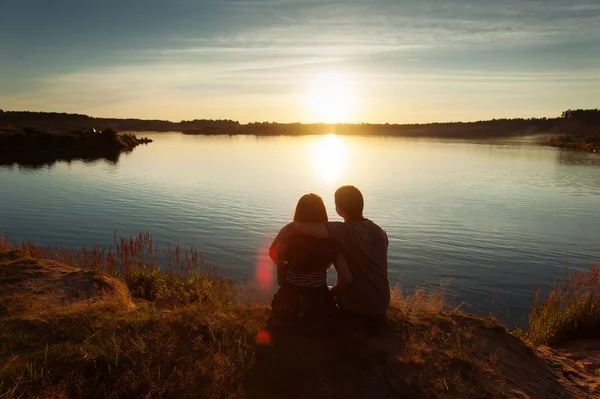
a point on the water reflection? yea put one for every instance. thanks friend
(485, 215)
(587, 179)
(330, 157)
(569, 157)
(41, 159)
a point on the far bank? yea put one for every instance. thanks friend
(477, 129)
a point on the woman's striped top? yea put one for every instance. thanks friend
(306, 259)
(306, 279)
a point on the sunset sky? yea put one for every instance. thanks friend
(291, 60)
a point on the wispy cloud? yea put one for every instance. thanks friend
(252, 59)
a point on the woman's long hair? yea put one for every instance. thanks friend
(310, 209)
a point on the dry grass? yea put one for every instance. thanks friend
(423, 299)
(129, 253)
(205, 344)
(183, 277)
(192, 340)
(105, 351)
(202, 351)
(4, 242)
(572, 309)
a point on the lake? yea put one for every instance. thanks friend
(488, 220)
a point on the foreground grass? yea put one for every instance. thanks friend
(213, 352)
(106, 351)
(189, 336)
(571, 311)
(178, 277)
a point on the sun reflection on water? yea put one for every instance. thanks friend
(330, 157)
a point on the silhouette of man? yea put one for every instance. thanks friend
(364, 301)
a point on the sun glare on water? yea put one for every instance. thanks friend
(331, 98)
(330, 157)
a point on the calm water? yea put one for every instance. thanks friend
(489, 220)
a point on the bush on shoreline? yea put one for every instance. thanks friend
(571, 311)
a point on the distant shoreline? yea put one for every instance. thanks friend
(480, 129)
(582, 126)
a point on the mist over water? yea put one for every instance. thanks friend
(490, 220)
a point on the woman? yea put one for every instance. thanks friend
(302, 263)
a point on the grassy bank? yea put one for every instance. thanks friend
(177, 330)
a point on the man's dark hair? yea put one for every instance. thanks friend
(349, 200)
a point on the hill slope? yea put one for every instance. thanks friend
(71, 333)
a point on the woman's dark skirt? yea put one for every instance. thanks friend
(303, 306)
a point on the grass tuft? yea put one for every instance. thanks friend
(571, 311)
(4, 242)
(423, 299)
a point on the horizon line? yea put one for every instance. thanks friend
(292, 123)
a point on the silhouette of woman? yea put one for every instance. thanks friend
(303, 298)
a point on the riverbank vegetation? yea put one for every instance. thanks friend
(479, 129)
(36, 147)
(581, 130)
(590, 143)
(139, 321)
(34, 139)
(571, 311)
(572, 126)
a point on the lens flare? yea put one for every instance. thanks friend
(263, 275)
(263, 338)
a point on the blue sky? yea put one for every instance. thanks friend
(406, 61)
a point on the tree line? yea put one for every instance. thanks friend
(576, 122)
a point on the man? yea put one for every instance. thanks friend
(363, 301)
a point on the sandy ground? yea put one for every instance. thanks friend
(30, 285)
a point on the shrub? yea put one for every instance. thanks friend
(109, 133)
(572, 309)
(592, 138)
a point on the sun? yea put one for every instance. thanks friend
(331, 98)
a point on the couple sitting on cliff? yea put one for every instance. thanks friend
(305, 249)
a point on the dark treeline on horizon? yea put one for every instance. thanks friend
(581, 122)
(571, 122)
